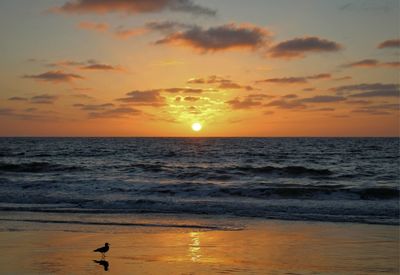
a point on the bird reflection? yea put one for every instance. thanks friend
(103, 263)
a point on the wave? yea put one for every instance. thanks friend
(36, 167)
(328, 211)
(289, 170)
(320, 192)
(195, 171)
(110, 223)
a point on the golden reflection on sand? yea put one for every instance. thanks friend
(266, 248)
(195, 247)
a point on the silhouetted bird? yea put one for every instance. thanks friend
(104, 263)
(103, 249)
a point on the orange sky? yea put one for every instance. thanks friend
(153, 68)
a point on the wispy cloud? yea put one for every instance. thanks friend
(37, 99)
(249, 102)
(294, 80)
(55, 77)
(286, 104)
(43, 99)
(366, 87)
(94, 107)
(372, 63)
(299, 47)
(99, 27)
(17, 98)
(322, 99)
(101, 67)
(119, 112)
(89, 65)
(223, 83)
(392, 43)
(146, 98)
(379, 109)
(133, 7)
(378, 93)
(125, 33)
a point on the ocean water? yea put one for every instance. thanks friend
(312, 179)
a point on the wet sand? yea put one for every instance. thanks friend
(262, 247)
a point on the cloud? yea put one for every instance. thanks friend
(230, 85)
(361, 102)
(125, 33)
(99, 27)
(39, 99)
(372, 63)
(17, 98)
(291, 101)
(294, 80)
(185, 90)
(286, 104)
(120, 112)
(284, 80)
(167, 27)
(101, 67)
(223, 83)
(6, 111)
(55, 77)
(146, 98)
(299, 47)
(322, 99)
(83, 96)
(247, 103)
(342, 78)
(371, 112)
(369, 90)
(392, 43)
(225, 37)
(319, 76)
(378, 93)
(94, 107)
(30, 114)
(107, 110)
(133, 7)
(89, 65)
(366, 87)
(65, 63)
(197, 81)
(379, 109)
(290, 96)
(372, 6)
(191, 98)
(194, 110)
(43, 99)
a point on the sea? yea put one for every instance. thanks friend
(352, 180)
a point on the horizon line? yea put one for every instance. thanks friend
(199, 136)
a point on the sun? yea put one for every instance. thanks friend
(196, 126)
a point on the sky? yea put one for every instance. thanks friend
(262, 68)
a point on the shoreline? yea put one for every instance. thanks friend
(248, 246)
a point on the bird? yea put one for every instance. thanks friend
(103, 249)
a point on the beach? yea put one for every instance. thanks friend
(199, 206)
(163, 244)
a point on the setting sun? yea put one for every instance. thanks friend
(196, 127)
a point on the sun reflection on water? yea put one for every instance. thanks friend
(195, 247)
